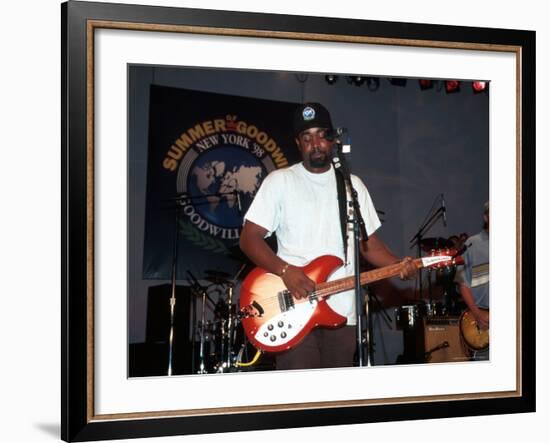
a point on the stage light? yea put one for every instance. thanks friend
(331, 79)
(357, 80)
(301, 77)
(398, 82)
(479, 86)
(425, 84)
(373, 83)
(452, 86)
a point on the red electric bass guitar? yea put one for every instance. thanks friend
(274, 321)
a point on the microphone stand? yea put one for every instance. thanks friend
(359, 231)
(173, 291)
(418, 237)
(197, 289)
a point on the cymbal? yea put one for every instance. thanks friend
(216, 273)
(218, 281)
(435, 243)
(218, 277)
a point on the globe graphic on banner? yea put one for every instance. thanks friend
(218, 175)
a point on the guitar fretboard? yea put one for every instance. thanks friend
(344, 284)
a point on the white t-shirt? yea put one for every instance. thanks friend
(301, 207)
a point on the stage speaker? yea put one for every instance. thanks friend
(152, 357)
(158, 313)
(442, 342)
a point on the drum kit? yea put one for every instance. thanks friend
(410, 315)
(217, 340)
(218, 336)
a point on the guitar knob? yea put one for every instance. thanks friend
(270, 327)
(265, 334)
(283, 334)
(280, 324)
(273, 338)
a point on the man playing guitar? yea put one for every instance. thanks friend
(300, 204)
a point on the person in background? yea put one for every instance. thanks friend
(473, 277)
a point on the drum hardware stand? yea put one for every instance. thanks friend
(230, 323)
(221, 363)
(430, 295)
(199, 290)
(385, 315)
(228, 328)
(359, 231)
(202, 366)
(196, 290)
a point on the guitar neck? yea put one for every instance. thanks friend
(344, 284)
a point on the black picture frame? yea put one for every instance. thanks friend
(79, 19)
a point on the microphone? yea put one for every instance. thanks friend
(428, 355)
(444, 210)
(335, 134)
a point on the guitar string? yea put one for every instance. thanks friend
(330, 289)
(327, 290)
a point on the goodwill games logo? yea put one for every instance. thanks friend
(220, 165)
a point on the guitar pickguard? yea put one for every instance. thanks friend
(284, 327)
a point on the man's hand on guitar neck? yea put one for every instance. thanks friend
(296, 281)
(378, 254)
(408, 269)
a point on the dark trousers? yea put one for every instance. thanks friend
(322, 348)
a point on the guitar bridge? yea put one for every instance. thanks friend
(286, 301)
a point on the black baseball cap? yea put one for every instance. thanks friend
(311, 115)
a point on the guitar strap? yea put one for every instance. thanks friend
(342, 207)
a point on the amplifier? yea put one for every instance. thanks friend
(442, 342)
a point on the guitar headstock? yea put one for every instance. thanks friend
(441, 258)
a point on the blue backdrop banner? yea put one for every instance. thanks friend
(208, 154)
